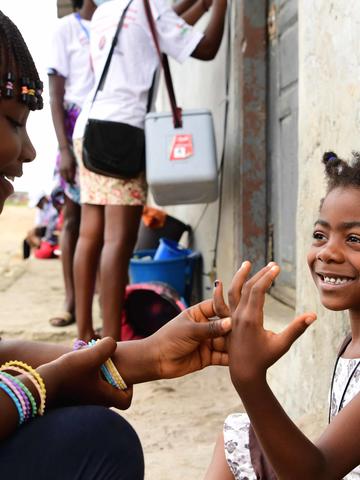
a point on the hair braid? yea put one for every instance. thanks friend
(16, 59)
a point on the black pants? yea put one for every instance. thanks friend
(73, 443)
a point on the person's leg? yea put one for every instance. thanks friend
(68, 240)
(121, 228)
(74, 443)
(86, 261)
(219, 468)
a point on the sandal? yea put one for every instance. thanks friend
(62, 320)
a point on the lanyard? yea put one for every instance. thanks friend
(347, 383)
(84, 29)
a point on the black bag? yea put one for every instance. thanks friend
(113, 149)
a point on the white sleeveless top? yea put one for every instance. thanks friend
(346, 368)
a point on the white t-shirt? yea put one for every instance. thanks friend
(70, 57)
(125, 93)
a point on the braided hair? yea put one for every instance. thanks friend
(340, 173)
(18, 74)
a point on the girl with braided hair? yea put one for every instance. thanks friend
(54, 421)
(264, 443)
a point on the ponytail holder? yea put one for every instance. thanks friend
(330, 156)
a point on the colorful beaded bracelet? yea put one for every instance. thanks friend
(15, 400)
(108, 369)
(24, 401)
(34, 377)
(29, 395)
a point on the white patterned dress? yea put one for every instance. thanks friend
(236, 425)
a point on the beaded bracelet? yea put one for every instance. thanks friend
(108, 369)
(15, 400)
(29, 395)
(24, 401)
(34, 377)
(121, 385)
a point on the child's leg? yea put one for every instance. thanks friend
(121, 228)
(86, 261)
(219, 468)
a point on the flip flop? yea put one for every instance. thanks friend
(62, 320)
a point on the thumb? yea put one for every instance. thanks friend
(212, 329)
(102, 350)
(296, 328)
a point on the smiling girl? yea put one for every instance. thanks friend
(264, 443)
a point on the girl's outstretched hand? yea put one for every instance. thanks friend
(75, 378)
(252, 349)
(191, 341)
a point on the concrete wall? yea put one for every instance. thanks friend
(329, 109)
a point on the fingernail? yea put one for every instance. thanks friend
(216, 283)
(226, 323)
(274, 268)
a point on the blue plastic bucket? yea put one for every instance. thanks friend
(176, 272)
(169, 249)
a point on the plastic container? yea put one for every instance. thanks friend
(181, 163)
(149, 237)
(176, 272)
(170, 249)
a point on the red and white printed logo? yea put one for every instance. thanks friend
(181, 147)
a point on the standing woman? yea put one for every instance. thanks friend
(70, 80)
(111, 207)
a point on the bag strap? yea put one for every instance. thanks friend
(164, 62)
(112, 48)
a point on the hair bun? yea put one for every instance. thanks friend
(330, 157)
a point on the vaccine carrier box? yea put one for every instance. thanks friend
(181, 163)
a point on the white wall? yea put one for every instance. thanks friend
(200, 84)
(329, 109)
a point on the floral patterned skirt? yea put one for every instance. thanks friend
(98, 189)
(237, 449)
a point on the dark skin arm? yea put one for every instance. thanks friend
(252, 350)
(73, 378)
(191, 11)
(68, 161)
(188, 343)
(211, 41)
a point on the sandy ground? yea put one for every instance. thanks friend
(177, 420)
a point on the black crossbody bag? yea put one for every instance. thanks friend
(113, 149)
